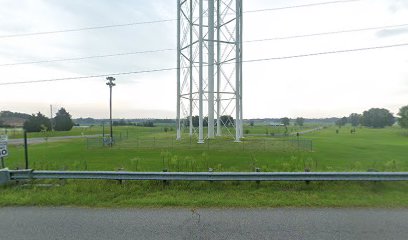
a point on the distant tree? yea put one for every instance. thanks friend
(299, 121)
(121, 122)
(285, 121)
(63, 121)
(196, 121)
(148, 124)
(341, 122)
(377, 118)
(355, 119)
(85, 121)
(251, 123)
(403, 117)
(205, 122)
(8, 114)
(37, 123)
(227, 120)
(338, 123)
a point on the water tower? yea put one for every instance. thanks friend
(209, 63)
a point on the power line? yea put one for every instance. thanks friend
(161, 20)
(300, 6)
(90, 76)
(328, 52)
(87, 57)
(328, 33)
(173, 49)
(86, 28)
(245, 61)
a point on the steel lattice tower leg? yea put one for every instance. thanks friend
(209, 68)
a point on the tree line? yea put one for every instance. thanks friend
(39, 122)
(8, 119)
(376, 118)
(226, 120)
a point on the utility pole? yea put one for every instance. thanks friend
(111, 84)
(52, 121)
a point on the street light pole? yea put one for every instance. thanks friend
(110, 84)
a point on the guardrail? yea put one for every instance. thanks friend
(208, 176)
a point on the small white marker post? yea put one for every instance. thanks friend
(3, 148)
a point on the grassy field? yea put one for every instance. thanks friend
(153, 149)
(13, 133)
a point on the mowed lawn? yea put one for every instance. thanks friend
(375, 149)
(153, 149)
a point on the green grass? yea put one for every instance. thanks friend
(76, 131)
(152, 149)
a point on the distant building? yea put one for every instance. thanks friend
(273, 124)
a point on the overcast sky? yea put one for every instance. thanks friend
(312, 87)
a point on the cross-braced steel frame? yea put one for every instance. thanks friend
(209, 68)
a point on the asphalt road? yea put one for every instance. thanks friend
(20, 141)
(77, 223)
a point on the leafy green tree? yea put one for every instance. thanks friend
(377, 118)
(403, 117)
(341, 122)
(227, 120)
(196, 121)
(63, 121)
(300, 121)
(251, 123)
(121, 122)
(147, 124)
(205, 122)
(285, 121)
(37, 123)
(354, 119)
(8, 114)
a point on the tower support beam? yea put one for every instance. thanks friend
(219, 133)
(211, 64)
(178, 120)
(200, 74)
(209, 87)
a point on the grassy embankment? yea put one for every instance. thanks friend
(152, 149)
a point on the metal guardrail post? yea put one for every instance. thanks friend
(307, 170)
(258, 170)
(165, 181)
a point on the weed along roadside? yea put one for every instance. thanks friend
(151, 151)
